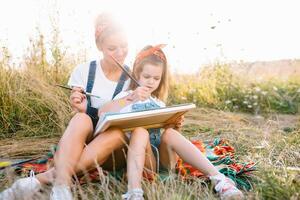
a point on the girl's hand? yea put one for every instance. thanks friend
(139, 94)
(177, 125)
(179, 122)
(78, 100)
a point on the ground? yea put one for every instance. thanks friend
(271, 140)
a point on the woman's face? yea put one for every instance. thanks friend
(115, 45)
(150, 76)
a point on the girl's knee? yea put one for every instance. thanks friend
(140, 132)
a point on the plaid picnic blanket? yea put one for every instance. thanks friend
(218, 151)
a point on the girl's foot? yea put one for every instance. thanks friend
(134, 194)
(61, 192)
(225, 187)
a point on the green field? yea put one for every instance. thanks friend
(260, 119)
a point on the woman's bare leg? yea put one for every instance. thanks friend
(172, 143)
(100, 149)
(139, 155)
(70, 147)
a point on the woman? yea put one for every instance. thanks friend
(78, 150)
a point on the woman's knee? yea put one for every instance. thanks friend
(168, 135)
(113, 136)
(83, 121)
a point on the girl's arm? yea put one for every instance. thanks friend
(116, 105)
(139, 94)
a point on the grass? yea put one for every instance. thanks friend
(258, 139)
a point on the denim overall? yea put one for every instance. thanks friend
(154, 133)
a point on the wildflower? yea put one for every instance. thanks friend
(255, 96)
(249, 106)
(298, 90)
(245, 102)
(192, 90)
(257, 89)
(264, 92)
(255, 103)
(275, 88)
(236, 99)
(227, 102)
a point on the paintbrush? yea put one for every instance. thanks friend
(129, 75)
(86, 93)
(4, 164)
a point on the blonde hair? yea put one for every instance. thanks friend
(162, 91)
(105, 25)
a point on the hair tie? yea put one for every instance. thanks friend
(155, 50)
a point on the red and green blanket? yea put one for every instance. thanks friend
(218, 151)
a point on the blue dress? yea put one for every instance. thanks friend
(154, 133)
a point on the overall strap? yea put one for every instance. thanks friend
(91, 79)
(121, 82)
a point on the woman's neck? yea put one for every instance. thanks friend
(112, 72)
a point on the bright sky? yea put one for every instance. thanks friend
(197, 32)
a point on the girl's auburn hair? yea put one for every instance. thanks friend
(155, 56)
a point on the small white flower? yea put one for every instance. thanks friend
(227, 102)
(257, 89)
(255, 96)
(298, 90)
(236, 99)
(275, 88)
(249, 106)
(245, 102)
(255, 103)
(236, 107)
(264, 92)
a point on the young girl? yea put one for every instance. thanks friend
(150, 69)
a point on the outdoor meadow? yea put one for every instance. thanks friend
(259, 118)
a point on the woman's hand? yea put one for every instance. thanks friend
(78, 100)
(139, 94)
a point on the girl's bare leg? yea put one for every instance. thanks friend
(172, 143)
(139, 155)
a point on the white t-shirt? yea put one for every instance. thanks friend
(128, 108)
(103, 87)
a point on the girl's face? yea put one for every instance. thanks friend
(150, 76)
(115, 45)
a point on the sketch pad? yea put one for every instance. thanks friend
(154, 118)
